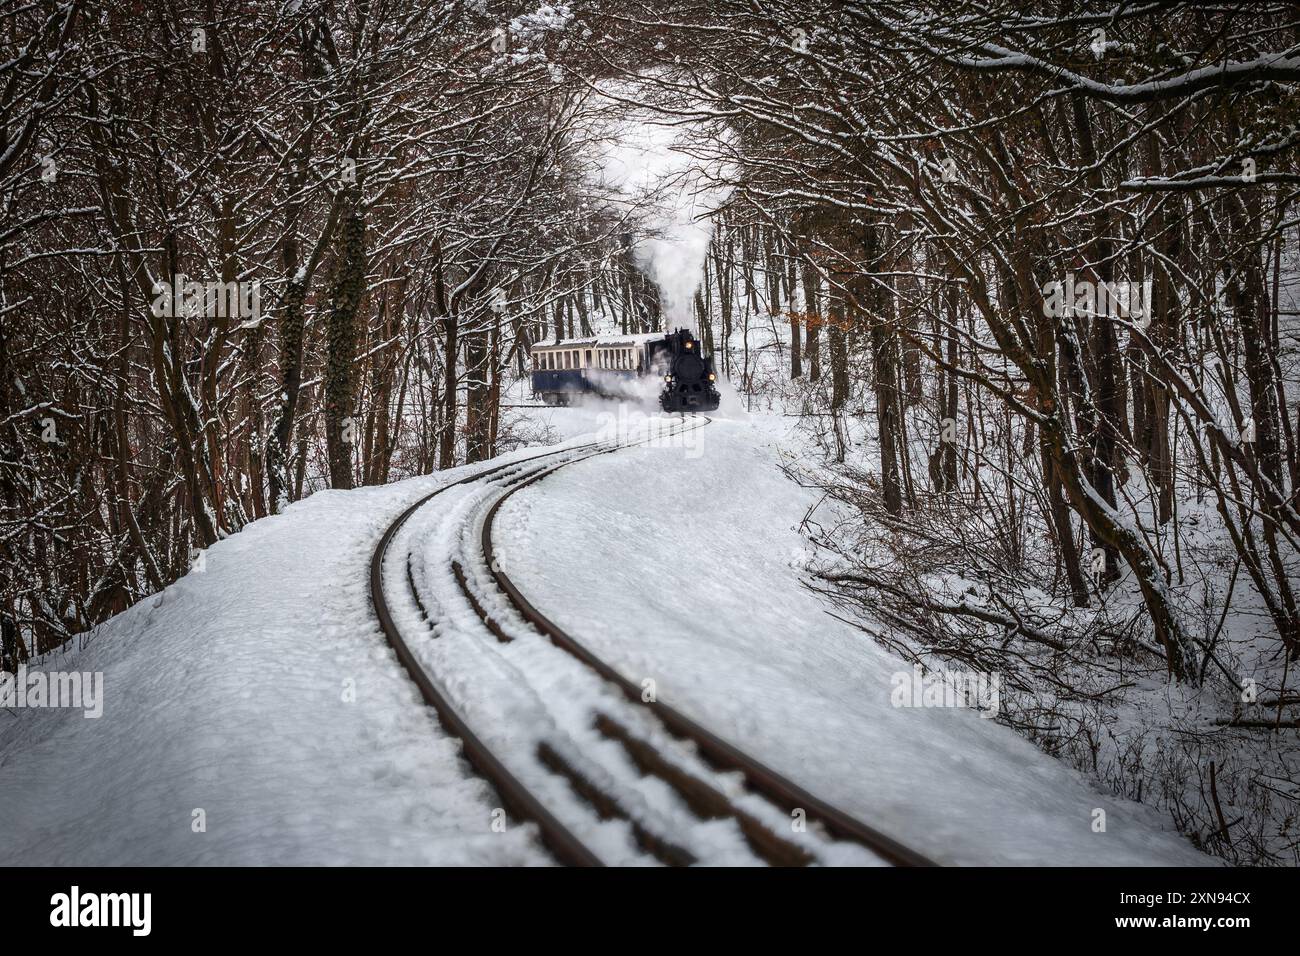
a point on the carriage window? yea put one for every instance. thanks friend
(535, 366)
(550, 359)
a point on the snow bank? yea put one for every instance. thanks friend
(684, 570)
(258, 699)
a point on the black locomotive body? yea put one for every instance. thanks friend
(689, 375)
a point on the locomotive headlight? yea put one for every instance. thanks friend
(712, 376)
(689, 344)
(668, 378)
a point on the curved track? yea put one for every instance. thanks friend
(701, 782)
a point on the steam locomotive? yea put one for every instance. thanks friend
(615, 366)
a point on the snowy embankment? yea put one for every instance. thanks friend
(254, 714)
(681, 565)
(255, 698)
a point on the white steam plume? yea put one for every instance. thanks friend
(644, 161)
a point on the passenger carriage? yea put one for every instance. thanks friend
(607, 365)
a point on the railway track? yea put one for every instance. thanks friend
(615, 766)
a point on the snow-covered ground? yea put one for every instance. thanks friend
(260, 692)
(1142, 737)
(681, 565)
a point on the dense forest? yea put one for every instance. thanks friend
(1025, 272)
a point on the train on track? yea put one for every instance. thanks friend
(614, 366)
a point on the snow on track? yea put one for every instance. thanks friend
(682, 568)
(522, 695)
(225, 693)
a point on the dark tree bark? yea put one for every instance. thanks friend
(812, 309)
(341, 338)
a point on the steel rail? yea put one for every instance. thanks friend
(719, 752)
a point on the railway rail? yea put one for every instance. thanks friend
(693, 763)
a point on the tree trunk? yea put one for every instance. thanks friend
(341, 334)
